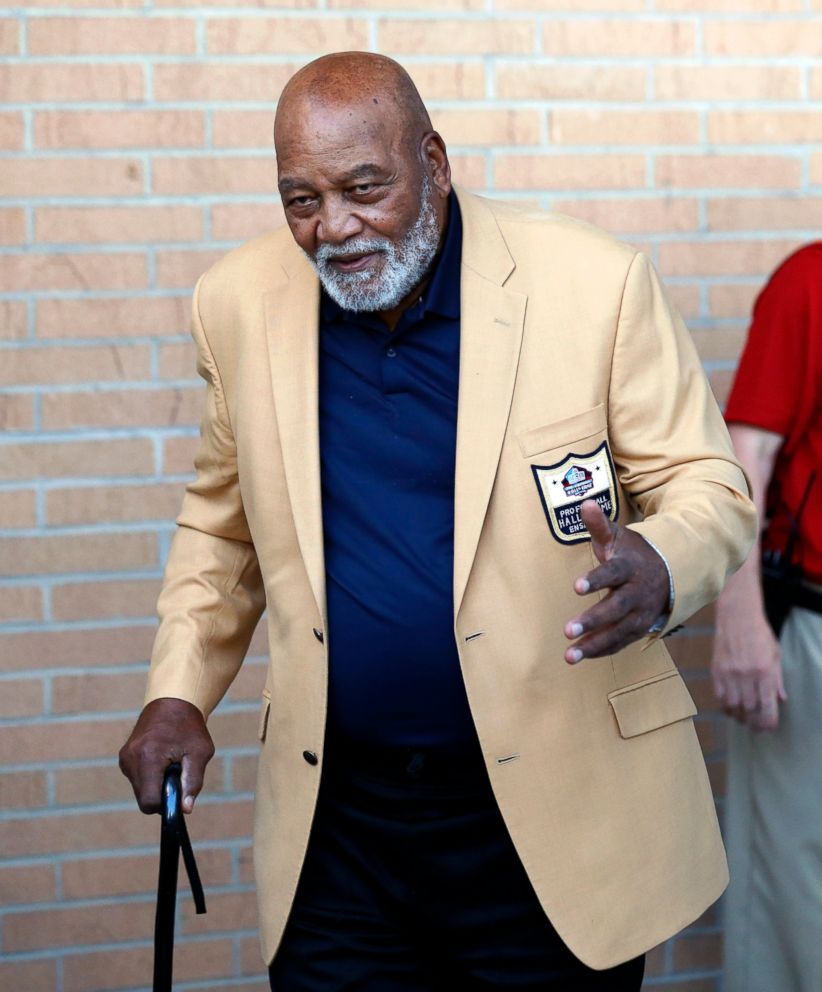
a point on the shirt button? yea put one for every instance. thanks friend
(318, 634)
(391, 352)
(310, 757)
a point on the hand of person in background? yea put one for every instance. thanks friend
(166, 731)
(746, 665)
(639, 589)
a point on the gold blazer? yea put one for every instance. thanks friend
(572, 361)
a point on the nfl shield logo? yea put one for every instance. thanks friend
(565, 486)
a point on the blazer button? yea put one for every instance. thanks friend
(318, 634)
(310, 757)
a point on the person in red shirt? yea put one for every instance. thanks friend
(773, 682)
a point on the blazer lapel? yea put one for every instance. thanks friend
(491, 325)
(292, 323)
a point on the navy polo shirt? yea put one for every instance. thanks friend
(388, 428)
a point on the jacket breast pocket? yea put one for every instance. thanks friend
(563, 433)
(651, 704)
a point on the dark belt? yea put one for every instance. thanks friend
(435, 765)
(173, 839)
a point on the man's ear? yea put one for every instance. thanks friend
(435, 159)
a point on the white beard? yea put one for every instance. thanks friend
(404, 265)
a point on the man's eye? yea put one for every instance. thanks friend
(361, 189)
(300, 201)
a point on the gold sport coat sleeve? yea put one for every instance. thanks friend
(674, 454)
(212, 595)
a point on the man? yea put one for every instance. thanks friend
(774, 810)
(428, 424)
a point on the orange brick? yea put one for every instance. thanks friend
(732, 258)
(108, 225)
(94, 878)
(243, 129)
(52, 82)
(468, 171)
(816, 84)
(685, 298)
(634, 36)
(489, 127)
(33, 883)
(764, 213)
(77, 459)
(569, 171)
(721, 381)
(520, 81)
(263, 35)
(58, 364)
(111, 36)
(727, 82)
(733, 299)
(214, 80)
(249, 682)
(732, 171)
(13, 320)
(284, 4)
(214, 174)
(769, 37)
(631, 127)
(39, 649)
(182, 269)
(105, 600)
(112, 317)
(816, 169)
(122, 408)
(239, 221)
(462, 80)
(379, 5)
(178, 455)
(28, 976)
(733, 6)
(106, 504)
(12, 226)
(19, 603)
(51, 271)
(450, 37)
(17, 509)
(118, 129)
(691, 652)
(21, 697)
(545, 5)
(178, 361)
(98, 693)
(783, 127)
(23, 790)
(16, 412)
(68, 741)
(78, 925)
(9, 37)
(226, 911)
(72, 177)
(635, 216)
(77, 553)
(116, 969)
(244, 773)
(235, 728)
(719, 344)
(96, 783)
(249, 955)
(11, 132)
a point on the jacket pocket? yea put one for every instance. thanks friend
(265, 709)
(651, 704)
(561, 433)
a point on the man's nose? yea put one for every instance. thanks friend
(337, 224)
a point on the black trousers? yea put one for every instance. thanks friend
(411, 884)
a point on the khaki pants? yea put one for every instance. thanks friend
(773, 831)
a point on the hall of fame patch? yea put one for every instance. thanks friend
(565, 486)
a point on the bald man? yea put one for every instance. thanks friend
(466, 456)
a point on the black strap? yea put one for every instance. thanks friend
(173, 839)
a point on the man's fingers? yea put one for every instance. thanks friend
(614, 572)
(600, 528)
(605, 641)
(194, 765)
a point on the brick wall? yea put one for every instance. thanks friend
(134, 150)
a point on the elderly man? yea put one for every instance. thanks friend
(433, 423)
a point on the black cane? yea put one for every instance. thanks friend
(173, 839)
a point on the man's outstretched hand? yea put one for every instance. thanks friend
(167, 730)
(639, 589)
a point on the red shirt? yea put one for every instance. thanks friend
(778, 387)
